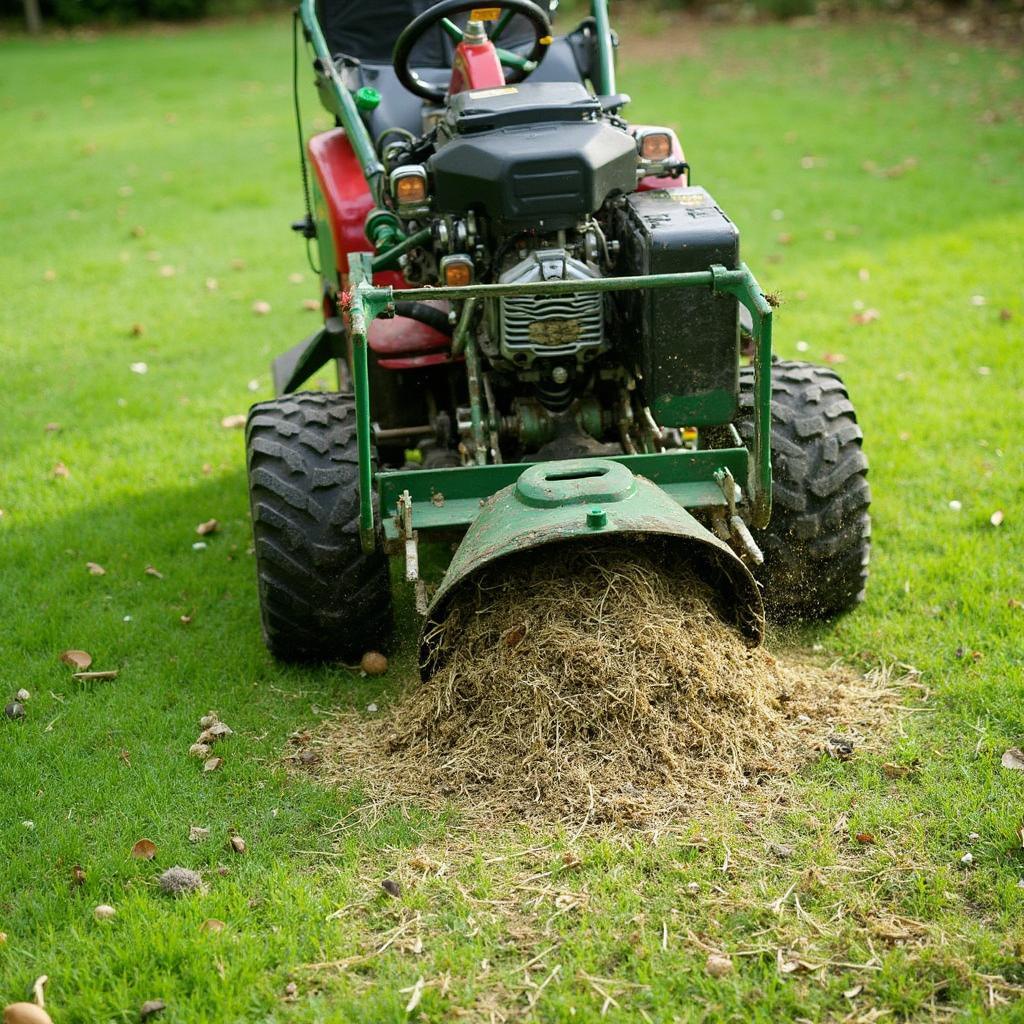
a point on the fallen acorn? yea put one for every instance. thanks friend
(718, 966)
(374, 663)
(26, 1013)
(178, 881)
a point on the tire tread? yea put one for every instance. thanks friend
(321, 596)
(817, 545)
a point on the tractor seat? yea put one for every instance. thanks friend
(399, 108)
(361, 34)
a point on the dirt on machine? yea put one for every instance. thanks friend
(552, 357)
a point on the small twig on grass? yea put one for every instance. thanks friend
(530, 851)
(777, 904)
(536, 959)
(534, 995)
(599, 985)
(804, 916)
(37, 990)
(362, 958)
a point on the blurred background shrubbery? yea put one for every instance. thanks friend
(83, 12)
(70, 13)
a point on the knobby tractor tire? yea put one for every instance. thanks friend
(321, 597)
(817, 544)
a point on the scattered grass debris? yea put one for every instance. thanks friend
(602, 688)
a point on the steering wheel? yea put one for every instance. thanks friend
(519, 66)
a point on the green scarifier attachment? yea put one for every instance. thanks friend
(586, 501)
(572, 501)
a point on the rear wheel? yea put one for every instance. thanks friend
(817, 544)
(321, 596)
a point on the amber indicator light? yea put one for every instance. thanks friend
(656, 146)
(410, 189)
(458, 274)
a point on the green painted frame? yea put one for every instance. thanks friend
(367, 302)
(688, 478)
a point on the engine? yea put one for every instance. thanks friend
(537, 156)
(563, 327)
(539, 183)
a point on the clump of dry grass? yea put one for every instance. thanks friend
(596, 686)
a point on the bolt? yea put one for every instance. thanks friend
(559, 374)
(596, 518)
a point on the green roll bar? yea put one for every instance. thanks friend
(604, 84)
(344, 104)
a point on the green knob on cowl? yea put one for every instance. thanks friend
(367, 98)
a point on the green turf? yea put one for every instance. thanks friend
(127, 153)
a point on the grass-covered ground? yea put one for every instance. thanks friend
(146, 184)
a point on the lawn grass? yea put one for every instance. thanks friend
(865, 165)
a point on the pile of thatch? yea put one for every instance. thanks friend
(599, 686)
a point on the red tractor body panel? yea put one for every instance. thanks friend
(345, 192)
(403, 342)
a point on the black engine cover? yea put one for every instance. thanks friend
(686, 340)
(535, 156)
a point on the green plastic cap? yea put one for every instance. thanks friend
(597, 518)
(367, 98)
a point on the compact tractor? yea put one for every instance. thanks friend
(544, 336)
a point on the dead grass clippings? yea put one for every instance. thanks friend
(601, 689)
